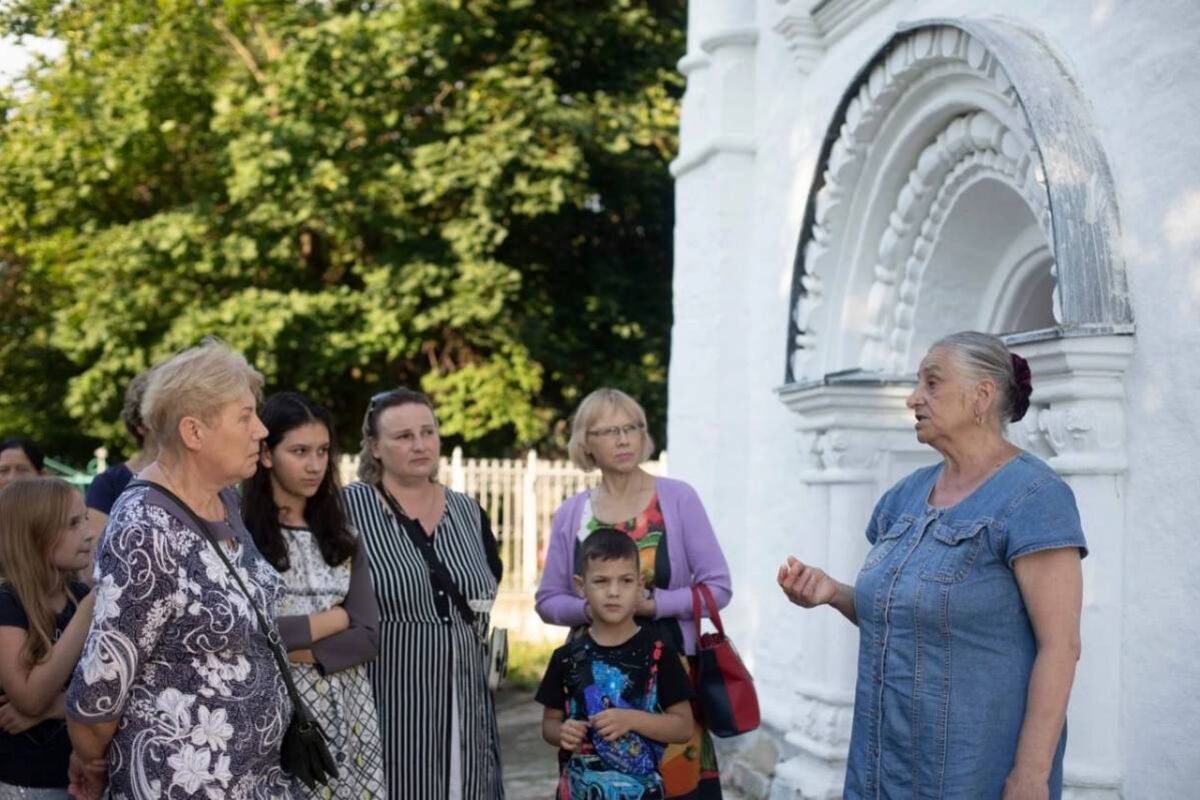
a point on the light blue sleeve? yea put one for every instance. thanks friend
(1045, 518)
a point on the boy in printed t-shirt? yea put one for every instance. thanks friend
(616, 694)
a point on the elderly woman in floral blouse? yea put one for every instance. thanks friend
(177, 693)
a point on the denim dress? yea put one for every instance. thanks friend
(945, 643)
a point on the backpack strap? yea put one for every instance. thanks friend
(652, 681)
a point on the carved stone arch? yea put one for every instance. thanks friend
(945, 106)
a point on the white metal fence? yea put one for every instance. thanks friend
(520, 497)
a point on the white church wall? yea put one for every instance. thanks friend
(1143, 79)
(739, 215)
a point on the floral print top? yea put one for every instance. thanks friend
(648, 531)
(175, 654)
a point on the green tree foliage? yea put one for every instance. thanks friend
(470, 196)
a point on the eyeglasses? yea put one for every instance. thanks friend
(616, 431)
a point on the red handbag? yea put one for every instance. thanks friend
(724, 688)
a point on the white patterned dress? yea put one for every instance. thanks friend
(175, 655)
(336, 689)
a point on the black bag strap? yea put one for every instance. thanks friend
(438, 574)
(270, 633)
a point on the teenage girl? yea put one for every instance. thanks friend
(44, 617)
(329, 617)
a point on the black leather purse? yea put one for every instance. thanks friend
(304, 751)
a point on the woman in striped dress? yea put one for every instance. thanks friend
(435, 710)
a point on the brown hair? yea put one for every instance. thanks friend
(370, 469)
(33, 514)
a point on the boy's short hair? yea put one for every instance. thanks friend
(605, 544)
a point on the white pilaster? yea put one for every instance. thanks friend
(1078, 424)
(854, 426)
(714, 175)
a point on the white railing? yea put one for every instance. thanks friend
(520, 497)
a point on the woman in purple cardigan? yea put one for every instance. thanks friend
(676, 546)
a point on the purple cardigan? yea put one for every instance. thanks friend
(692, 547)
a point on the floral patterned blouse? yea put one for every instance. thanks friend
(174, 653)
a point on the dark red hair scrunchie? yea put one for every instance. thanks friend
(1022, 385)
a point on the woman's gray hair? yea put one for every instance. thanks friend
(197, 382)
(982, 355)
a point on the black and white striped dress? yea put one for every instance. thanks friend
(436, 714)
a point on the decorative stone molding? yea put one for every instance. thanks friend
(703, 135)
(842, 449)
(971, 147)
(922, 57)
(837, 17)
(821, 724)
(746, 36)
(692, 62)
(808, 34)
(1028, 435)
(857, 400)
(846, 422)
(1001, 136)
(803, 39)
(1077, 418)
(718, 145)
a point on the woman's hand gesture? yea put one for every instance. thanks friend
(804, 585)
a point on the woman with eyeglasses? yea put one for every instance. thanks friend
(676, 548)
(436, 569)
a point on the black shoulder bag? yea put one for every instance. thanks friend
(303, 751)
(495, 645)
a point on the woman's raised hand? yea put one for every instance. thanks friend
(804, 585)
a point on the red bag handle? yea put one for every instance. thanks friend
(698, 590)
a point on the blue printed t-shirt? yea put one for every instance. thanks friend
(584, 677)
(946, 647)
(36, 758)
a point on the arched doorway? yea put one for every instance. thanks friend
(989, 268)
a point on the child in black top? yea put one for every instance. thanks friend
(618, 693)
(44, 618)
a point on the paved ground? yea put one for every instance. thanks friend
(529, 763)
(530, 769)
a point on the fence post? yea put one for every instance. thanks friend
(529, 523)
(458, 476)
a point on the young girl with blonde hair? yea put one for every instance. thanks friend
(44, 617)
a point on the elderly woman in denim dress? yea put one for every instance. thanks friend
(968, 603)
